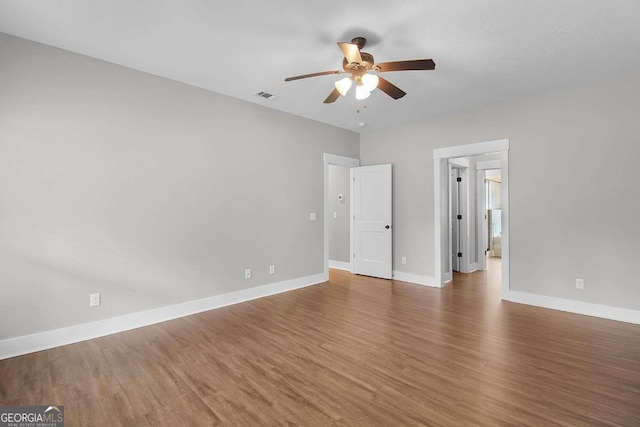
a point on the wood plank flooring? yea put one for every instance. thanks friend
(353, 351)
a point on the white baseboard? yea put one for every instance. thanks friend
(340, 265)
(578, 307)
(17, 346)
(473, 267)
(446, 277)
(415, 278)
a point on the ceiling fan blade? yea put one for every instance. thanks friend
(332, 96)
(415, 64)
(351, 52)
(321, 73)
(390, 89)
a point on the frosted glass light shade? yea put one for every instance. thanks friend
(343, 85)
(370, 81)
(362, 93)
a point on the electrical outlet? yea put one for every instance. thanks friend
(94, 300)
(247, 273)
(404, 260)
(312, 216)
(335, 214)
(272, 269)
(580, 284)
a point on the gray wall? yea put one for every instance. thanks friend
(573, 188)
(149, 191)
(339, 239)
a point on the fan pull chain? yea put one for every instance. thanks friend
(358, 107)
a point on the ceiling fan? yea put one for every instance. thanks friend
(361, 66)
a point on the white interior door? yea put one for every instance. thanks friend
(454, 197)
(372, 228)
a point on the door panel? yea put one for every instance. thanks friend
(455, 222)
(371, 195)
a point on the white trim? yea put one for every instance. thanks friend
(473, 267)
(332, 159)
(488, 164)
(441, 275)
(459, 163)
(415, 279)
(340, 265)
(578, 307)
(481, 212)
(17, 346)
(471, 149)
(505, 222)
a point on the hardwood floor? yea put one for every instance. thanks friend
(352, 351)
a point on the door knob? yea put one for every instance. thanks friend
(387, 227)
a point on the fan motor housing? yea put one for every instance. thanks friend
(367, 62)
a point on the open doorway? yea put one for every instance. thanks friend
(489, 219)
(468, 159)
(343, 163)
(493, 213)
(370, 211)
(339, 221)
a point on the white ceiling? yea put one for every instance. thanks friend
(486, 51)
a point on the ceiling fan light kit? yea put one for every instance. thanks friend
(361, 66)
(370, 81)
(343, 85)
(362, 93)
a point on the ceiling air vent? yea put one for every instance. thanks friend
(265, 95)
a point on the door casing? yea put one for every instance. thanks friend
(440, 172)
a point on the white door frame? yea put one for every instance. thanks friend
(440, 163)
(347, 162)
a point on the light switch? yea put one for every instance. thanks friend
(94, 300)
(312, 216)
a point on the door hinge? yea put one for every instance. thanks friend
(459, 254)
(459, 216)
(354, 255)
(459, 179)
